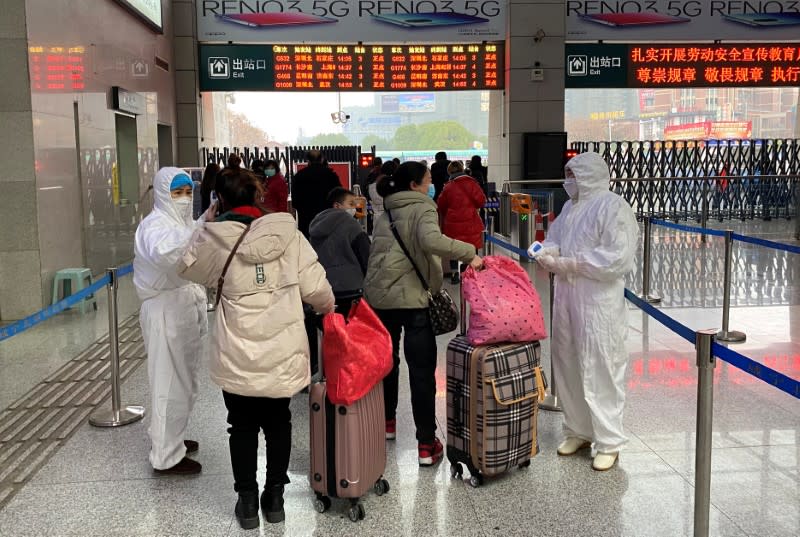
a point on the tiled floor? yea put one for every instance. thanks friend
(100, 483)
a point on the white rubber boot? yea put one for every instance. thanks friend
(605, 461)
(572, 445)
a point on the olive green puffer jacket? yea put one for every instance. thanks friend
(391, 282)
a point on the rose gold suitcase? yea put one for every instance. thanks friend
(348, 447)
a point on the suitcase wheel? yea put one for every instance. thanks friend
(356, 512)
(476, 480)
(381, 487)
(525, 464)
(322, 504)
(456, 470)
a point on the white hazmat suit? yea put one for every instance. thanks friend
(590, 247)
(173, 319)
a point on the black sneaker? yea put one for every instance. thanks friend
(455, 279)
(272, 504)
(247, 509)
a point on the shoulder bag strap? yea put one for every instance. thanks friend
(405, 251)
(221, 280)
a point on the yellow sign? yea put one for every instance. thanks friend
(616, 114)
(115, 183)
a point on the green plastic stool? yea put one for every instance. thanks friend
(75, 280)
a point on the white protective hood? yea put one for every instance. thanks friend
(591, 174)
(161, 239)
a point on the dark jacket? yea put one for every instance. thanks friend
(310, 189)
(458, 207)
(342, 248)
(439, 176)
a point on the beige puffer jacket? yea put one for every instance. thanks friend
(391, 282)
(259, 346)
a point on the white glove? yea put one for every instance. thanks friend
(536, 250)
(558, 265)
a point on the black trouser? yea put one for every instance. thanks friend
(246, 415)
(419, 345)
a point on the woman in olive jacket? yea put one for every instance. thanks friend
(394, 290)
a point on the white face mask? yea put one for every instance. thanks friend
(351, 211)
(184, 206)
(571, 186)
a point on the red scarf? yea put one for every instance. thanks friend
(248, 210)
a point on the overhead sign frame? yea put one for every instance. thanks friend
(149, 11)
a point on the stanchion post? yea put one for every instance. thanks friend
(704, 210)
(705, 414)
(489, 246)
(550, 401)
(119, 414)
(729, 336)
(646, 296)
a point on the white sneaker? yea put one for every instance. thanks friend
(604, 461)
(572, 445)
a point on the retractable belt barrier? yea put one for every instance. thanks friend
(748, 365)
(51, 311)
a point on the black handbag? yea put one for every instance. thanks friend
(441, 307)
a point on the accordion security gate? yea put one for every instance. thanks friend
(286, 157)
(730, 179)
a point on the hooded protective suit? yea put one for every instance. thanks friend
(597, 236)
(173, 319)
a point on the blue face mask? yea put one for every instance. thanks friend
(431, 191)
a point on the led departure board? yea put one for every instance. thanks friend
(351, 67)
(56, 68)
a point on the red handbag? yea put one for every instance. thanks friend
(356, 353)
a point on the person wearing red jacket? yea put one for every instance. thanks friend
(276, 191)
(459, 203)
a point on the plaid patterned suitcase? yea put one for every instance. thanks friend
(493, 394)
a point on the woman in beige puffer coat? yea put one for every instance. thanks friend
(259, 349)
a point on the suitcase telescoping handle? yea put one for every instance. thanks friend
(320, 372)
(462, 302)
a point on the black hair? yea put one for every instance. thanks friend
(377, 161)
(315, 156)
(475, 161)
(338, 195)
(237, 188)
(272, 163)
(388, 167)
(441, 155)
(208, 182)
(396, 161)
(234, 161)
(407, 173)
(258, 167)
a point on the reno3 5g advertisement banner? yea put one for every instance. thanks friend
(350, 21)
(678, 20)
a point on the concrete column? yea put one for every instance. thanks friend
(20, 263)
(186, 83)
(536, 35)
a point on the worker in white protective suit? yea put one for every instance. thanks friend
(590, 247)
(173, 319)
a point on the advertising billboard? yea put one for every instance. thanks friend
(682, 20)
(408, 103)
(717, 130)
(348, 21)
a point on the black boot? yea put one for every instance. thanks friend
(272, 504)
(247, 509)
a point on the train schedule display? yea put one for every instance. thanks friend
(352, 67)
